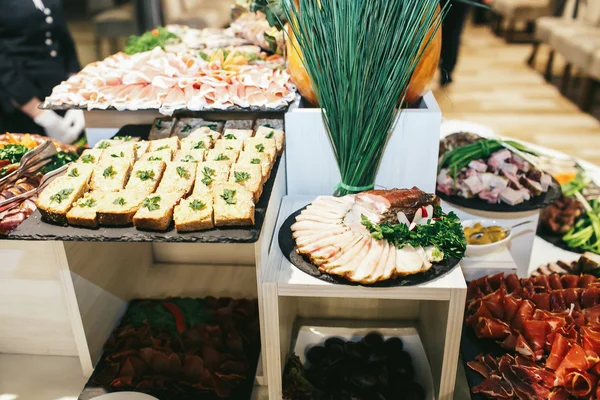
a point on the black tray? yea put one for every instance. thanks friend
(556, 240)
(536, 203)
(33, 228)
(235, 109)
(289, 249)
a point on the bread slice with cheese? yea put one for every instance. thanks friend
(254, 158)
(111, 177)
(84, 211)
(262, 145)
(58, 197)
(145, 176)
(162, 128)
(141, 148)
(233, 205)
(194, 214)
(163, 144)
(178, 177)
(165, 155)
(83, 171)
(190, 156)
(203, 143)
(229, 144)
(90, 156)
(118, 208)
(238, 134)
(271, 133)
(208, 174)
(249, 176)
(156, 211)
(121, 152)
(227, 157)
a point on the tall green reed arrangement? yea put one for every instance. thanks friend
(360, 56)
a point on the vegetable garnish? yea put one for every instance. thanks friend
(197, 205)
(165, 147)
(154, 158)
(88, 203)
(241, 176)
(585, 234)
(145, 175)
(74, 173)
(230, 136)
(183, 173)
(270, 135)
(229, 196)
(88, 159)
(199, 145)
(208, 175)
(13, 152)
(120, 201)
(104, 145)
(260, 147)
(178, 315)
(118, 155)
(61, 195)
(444, 232)
(149, 40)
(152, 203)
(255, 161)
(221, 157)
(109, 172)
(126, 138)
(186, 128)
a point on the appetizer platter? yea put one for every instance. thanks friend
(235, 78)
(493, 175)
(382, 238)
(180, 349)
(534, 338)
(188, 184)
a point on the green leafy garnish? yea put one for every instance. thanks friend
(229, 196)
(197, 205)
(61, 195)
(208, 174)
(188, 158)
(182, 172)
(271, 41)
(159, 124)
(154, 158)
(74, 173)
(145, 175)
(230, 136)
(13, 152)
(123, 138)
(149, 40)
(255, 161)
(104, 145)
(152, 203)
(221, 157)
(186, 128)
(88, 159)
(118, 155)
(199, 145)
(270, 135)
(165, 147)
(138, 146)
(109, 172)
(58, 160)
(212, 127)
(88, 203)
(241, 176)
(204, 56)
(120, 201)
(260, 147)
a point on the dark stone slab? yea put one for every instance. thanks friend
(239, 124)
(235, 109)
(275, 123)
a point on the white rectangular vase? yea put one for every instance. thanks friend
(410, 158)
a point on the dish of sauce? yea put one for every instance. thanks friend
(488, 234)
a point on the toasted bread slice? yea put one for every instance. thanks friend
(208, 174)
(224, 156)
(84, 212)
(164, 144)
(111, 177)
(193, 156)
(270, 133)
(156, 211)
(58, 197)
(165, 155)
(103, 145)
(254, 158)
(233, 205)
(145, 176)
(83, 171)
(178, 177)
(162, 128)
(229, 144)
(90, 156)
(238, 134)
(194, 214)
(125, 139)
(185, 126)
(141, 148)
(124, 151)
(249, 176)
(118, 208)
(262, 145)
(197, 143)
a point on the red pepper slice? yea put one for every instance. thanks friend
(424, 212)
(178, 315)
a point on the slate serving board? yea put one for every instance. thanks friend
(289, 249)
(556, 240)
(33, 228)
(234, 109)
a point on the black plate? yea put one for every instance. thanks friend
(289, 249)
(536, 203)
(556, 240)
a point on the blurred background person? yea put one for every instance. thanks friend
(36, 54)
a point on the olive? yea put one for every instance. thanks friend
(335, 347)
(379, 355)
(381, 372)
(409, 391)
(357, 350)
(316, 354)
(373, 340)
(363, 379)
(393, 346)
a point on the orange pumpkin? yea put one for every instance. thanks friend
(421, 79)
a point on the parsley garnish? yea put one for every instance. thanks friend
(186, 128)
(61, 195)
(152, 203)
(229, 196)
(74, 173)
(229, 148)
(221, 157)
(165, 147)
(241, 176)
(212, 127)
(88, 159)
(109, 172)
(159, 124)
(145, 175)
(260, 147)
(120, 201)
(13, 152)
(182, 172)
(154, 158)
(188, 158)
(138, 146)
(208, 176)
(255, 161)
(230, 136)
(204, 56)
(123, 138)
(197, 205)
(200, 145)
(104, 145)
(115, 155)
(270, 135)
(88, 203)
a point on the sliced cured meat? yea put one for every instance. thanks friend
(575, 359)
(541, 300)
(512, 283)
(586, 280)
(408, 261)
(580, 384)
(590, 338)
(477, 310)
(383, 261)
(367, 267)
(535, 333)
(495, 388)
(524, 313)
(592, 316)
(495, 303)
(492, 328)
(590, 297)
(515, 342)
(348, 254)
(557, 302)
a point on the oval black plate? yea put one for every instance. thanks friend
(475, 203)
(289, 249)
(556, 240)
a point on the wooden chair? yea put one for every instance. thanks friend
(112, 25)
(513, 11)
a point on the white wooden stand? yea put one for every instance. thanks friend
(436, 308)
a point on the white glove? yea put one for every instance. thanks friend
(65, 130)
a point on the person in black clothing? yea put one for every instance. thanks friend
(451, 32)
(36, 54)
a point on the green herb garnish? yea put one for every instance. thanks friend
(120, 201)
(208, 176)
(152, 203)
(188, 158)
(165, 147)
(230, 136)
(123, 138)
(13, 152)
(270, 135)
(145, 175)
(61, 195)
(154, 158)
(204, 56)
(182, 172)
(109, 172)
(88, 203)
(241, 176)
(88, 159)
(74, 173)
(159, 124)
(104, 145)
(260, 147)
(149, 40)
(229, 196)
(186, 128)
(255, 161)
(199, 145)
(118, 155)
(221, 157)
(197, 205)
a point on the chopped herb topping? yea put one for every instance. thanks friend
(123, 138)
(186, 128)
(165, 147)
(212, 127)
(221, 157)
(152, 203)
(229, 148)
(183, 173)
(154, 158)
(270, 135)
(199, 145)
(204, 56)
(109, 172)
(260, 147)
(74, 173)
(197, 205)
(241, 176)
(104, 145)
(120, 201)
(88, 203)
(61, 195)
(230, 136)
(268, 126)
(145, 175)
(188, 158)
(138, 146)
(208, 176)
(229, 196)
(255, 161)
(118, 155)
(88, 159)
(159, 124)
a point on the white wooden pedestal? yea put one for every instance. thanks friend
(436, 308)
